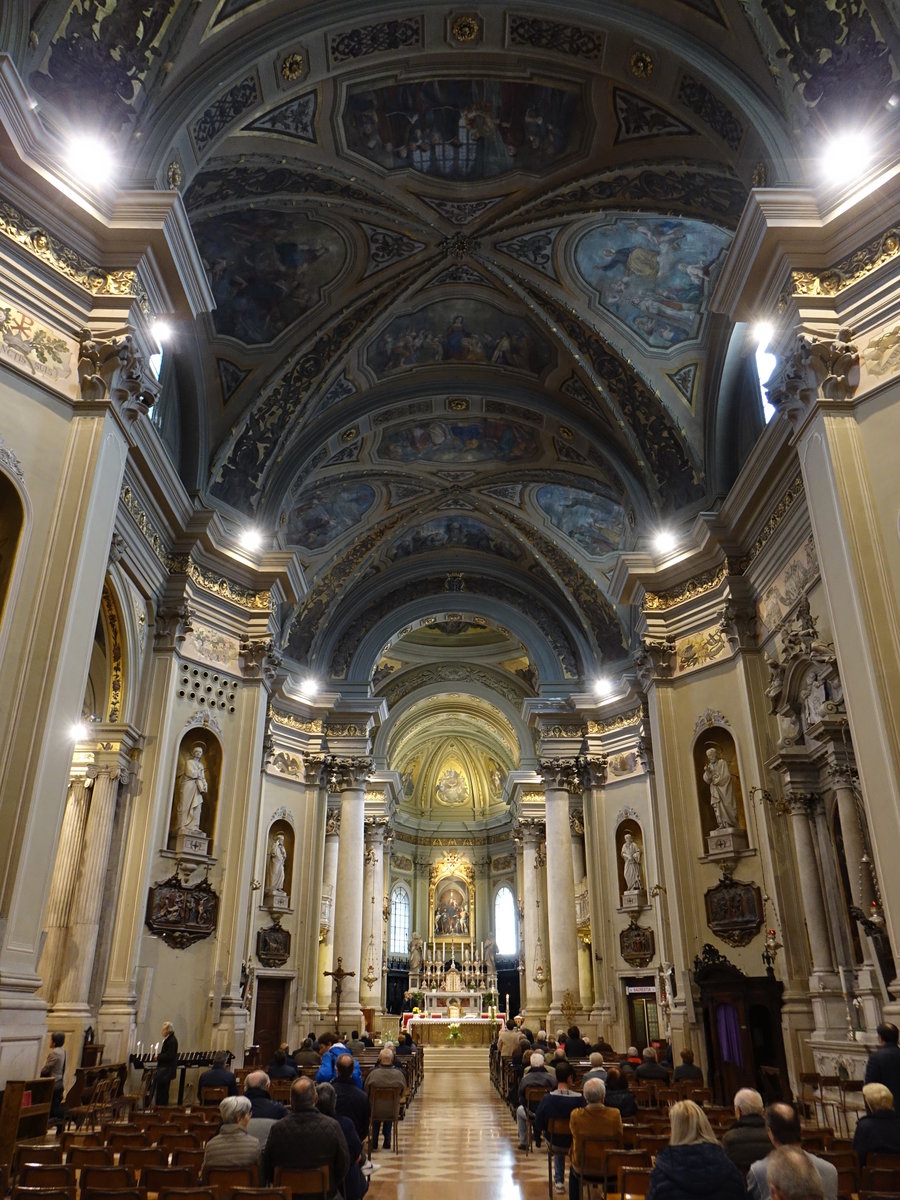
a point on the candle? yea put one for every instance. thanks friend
(507, 1006)
(481, 955)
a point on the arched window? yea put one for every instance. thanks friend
(505, 924)
(399, 938)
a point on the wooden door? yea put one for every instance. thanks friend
(268, 1030)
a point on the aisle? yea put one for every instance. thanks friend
(458, 1140)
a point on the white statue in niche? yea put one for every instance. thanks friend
(275, 864)
(415, 954)
(191, 788)
(717, 774)
(631, 857)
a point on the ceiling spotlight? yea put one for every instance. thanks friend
(161, 330)
(603, 686)
(762, 334)
(847, 155)
(78, 732)
(309, 687)
(251, 539)
(664, 542)
(90, 159)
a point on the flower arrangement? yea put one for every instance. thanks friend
(454, 1033)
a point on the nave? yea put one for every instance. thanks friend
(458, 1139)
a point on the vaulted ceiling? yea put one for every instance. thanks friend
(462, 352)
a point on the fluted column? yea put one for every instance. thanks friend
(349, 774)
(373, 904)
(87, 902)
(62, 887)
(561, 779)
(531, 833)
(810, 882)
(579, 873)
(329, 887)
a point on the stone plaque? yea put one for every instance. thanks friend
(637, 945)
(181, 915)
(734, 911)
(273, 946)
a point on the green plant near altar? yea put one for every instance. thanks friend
(488, 998)
(454, 1033)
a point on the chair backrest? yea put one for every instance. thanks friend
(212, 1095)
(188, 1158)
(268, 1193)
(138, 1157)
(618, 1160)
(280, 1089)
(384, 1103)
(593, 1155)
(132, 1193)
(305, 1181)
(44, 1175)
(633, 1182)
(226, 1179)
(91, 1156)
(188, 1193)
(557, 1128)
(49, 1155)
(101, 1179)
(881, 1179)
(154, 1179)
(179, 1139)
(49, 1193)
(534, 1094)
(121, 1141)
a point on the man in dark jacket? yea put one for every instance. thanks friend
(650, 1068)
(748, 1139)
(688, 1070)
(350, 1099)
(559, 1103)
(166, 1062)
(575, 1045)
(256, 1089)
(884, 1063)
(218, 1075)
(879, 1132)
(306, 1138)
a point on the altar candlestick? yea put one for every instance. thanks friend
(507, 1006)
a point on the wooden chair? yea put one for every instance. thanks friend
(666, 1096)
(154, 1179)
(46, 1154)
(534, 1094)
(700, 1095)
(557, 1130)
(306, 1182)
(865, 1194)
(619, 1161)
(385, 1106)
(213, 1095)
(178, 1139)
(188, 1193)
(188, 1158)
(633, 1182)
(131, 1138)
(881, 1160)
(90, 1156)
(35, 1193)
(226, 1179)
(591, 1162)
(266, 1193)
(834, 1083)
(132, 1193)
(103, 1179)
(280, 1089)
(849, 1087)
(138, 1157)
(652, 1142)
(880, 1179)
(45, 1175)
(817, 1140)
(810, 1101)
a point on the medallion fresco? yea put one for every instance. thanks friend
(594, 522)
(472, 441)
(652, 273)
(461, 331)
(454, 531)
(326, 512)
(463, 129)
(266, 269)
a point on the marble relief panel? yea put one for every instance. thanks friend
(463, 129)
(700, 649)
(786, 589)
(207, 645)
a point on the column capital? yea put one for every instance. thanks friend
(260, 658)
(376, 830)
(802, 803)
(814, 367)
(528, 831)
(347, 773)
(593, 770)
(654, 660)
(171, 625)
(561, 774)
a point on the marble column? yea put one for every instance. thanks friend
(71, 1008)
(531, 834)
(350, 774)
(579, 873)
(329, 885)
(560, 780)
(810, 883)
(62, 887)
(373, 907)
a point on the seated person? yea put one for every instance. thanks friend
(575, 1045)
(597, 1070)
(594, 1120)
(748, 1139)
(350, 1099)
(559, 1103)
(650, 1068)
(306, 1056)
(687, 1070)
(385, 1075)
(355, 1045)
(280, 1068)
(618, 1095)
(218, 1075)
(602, 1045)
(631, 1061)
(879, 1132)
(354, 1185)
(307, 1138)
(332, 1049)
(404, 1045)
(537, 1075)
(233, 1145)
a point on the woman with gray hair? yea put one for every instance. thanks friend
(232, 1146)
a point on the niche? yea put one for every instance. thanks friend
(630, 866)
(12, 522)
(279, 871)
(719, 792)
(196, 794)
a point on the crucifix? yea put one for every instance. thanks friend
(339, 975)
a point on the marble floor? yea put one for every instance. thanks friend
(458, 1139)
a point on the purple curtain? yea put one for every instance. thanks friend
(729, 1034)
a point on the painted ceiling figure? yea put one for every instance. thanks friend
(452, 788)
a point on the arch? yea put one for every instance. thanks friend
(401, 919)
(505, 920)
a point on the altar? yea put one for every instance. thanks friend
(433, 1031)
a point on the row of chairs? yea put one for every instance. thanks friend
(312, 1183)
(819, 1093)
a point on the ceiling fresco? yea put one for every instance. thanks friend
(266, 269)
(462, 344)
(463, 130)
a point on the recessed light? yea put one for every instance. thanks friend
(90, 158)
(603, 686)
(664, 542)
(309, 686)
(251, 539)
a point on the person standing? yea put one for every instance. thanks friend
(166, 1062)
(55, 1068)
(884, 1063)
